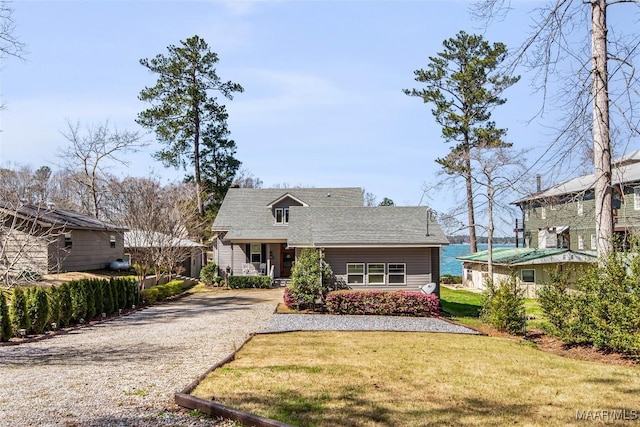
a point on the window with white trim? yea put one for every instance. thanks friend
(528, 276)
(68, 243)
(636, 199)
(355, 273)
(375, 274)
(526, 214)
(593, 242)
(112, 241)
(543, 212)
(256, 252)
(580, 207)
(282, 215)
(397, 274)
(580, 241)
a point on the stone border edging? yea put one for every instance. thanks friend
(185, 400)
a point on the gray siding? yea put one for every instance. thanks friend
(90, 250)
(24, 251)
(422, 264)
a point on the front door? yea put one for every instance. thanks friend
(286, 260)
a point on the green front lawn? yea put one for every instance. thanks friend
(464, 307)
(415, 379)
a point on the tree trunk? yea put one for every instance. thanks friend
(601, 135)
(470, 210)
(490, 199)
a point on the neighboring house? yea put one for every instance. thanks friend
(45, 239)
(531, 267)
(563, 216)
(384, 247)
(183, 252)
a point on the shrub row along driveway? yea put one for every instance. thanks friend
(125, 371)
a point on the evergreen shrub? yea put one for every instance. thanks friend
(243, 282)
(18, 311)
(5, 321)
(209, 273)
(503, 306)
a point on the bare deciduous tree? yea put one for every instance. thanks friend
(496, 171)
(158, 219)
(599, 85)
(24, 242)
(90, 155)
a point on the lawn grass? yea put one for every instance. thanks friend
(414, 379)
(464, 307)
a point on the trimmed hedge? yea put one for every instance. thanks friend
(385, 303)
(161, 292)
(35, 308)
(243, 282)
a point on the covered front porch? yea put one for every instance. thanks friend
(251, 258)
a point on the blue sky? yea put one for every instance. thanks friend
(323, 102)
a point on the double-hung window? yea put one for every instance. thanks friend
(397, 274)
(375, 274)
(112, 241)
(636, 198)
(580, 207)
(256, 252)
(282, 215)
(355, 273)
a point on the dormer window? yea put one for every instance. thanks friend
(282, 215)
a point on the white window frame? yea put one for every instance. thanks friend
(112, 241)
(580, 207)
(636, 198)
(391, 273)
(359, 274)
(522, 275)
(543, 212)
(253, 251)
(282, 216)
(526, 215)
(580, 241)
(594, 242)
(379, 274)
(68, 241)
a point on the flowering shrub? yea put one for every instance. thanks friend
(389, 303)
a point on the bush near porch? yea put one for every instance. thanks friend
(244, 282)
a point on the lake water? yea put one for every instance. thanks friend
(448, 262)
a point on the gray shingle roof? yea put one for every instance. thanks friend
(626, 170)
(246, 215)
(58, 218)
(153, 239)
(364, 226)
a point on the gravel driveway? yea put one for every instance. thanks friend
(124, 372)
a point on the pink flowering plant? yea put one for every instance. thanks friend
(389, 303)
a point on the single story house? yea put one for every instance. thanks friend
(261, 231)
(44, 239)
(531, 266)
(185, 253)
